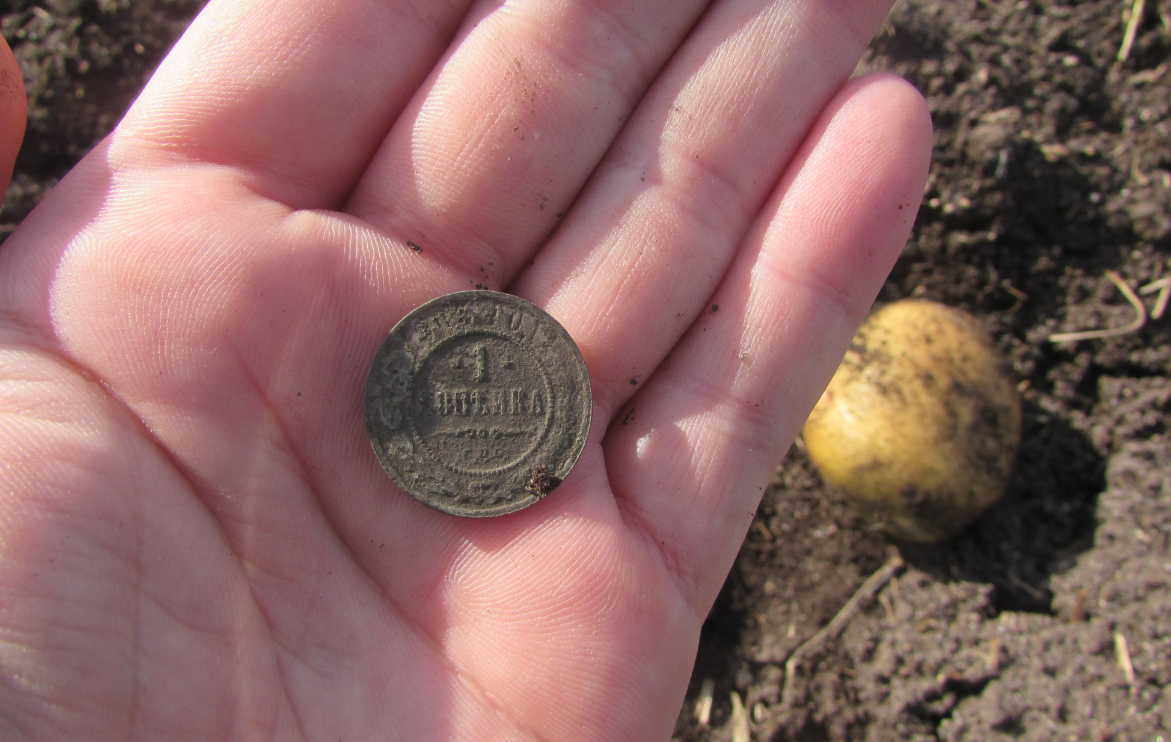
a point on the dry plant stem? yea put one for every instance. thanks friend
(1123, 653)
(1079, 606)
(1140, 320)
(864, 594)
(703, 706)
(1020, 296)
(1136, 14)
(994, 655)
(1163, 286)
(740, 731)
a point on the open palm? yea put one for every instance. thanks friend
(196, 539)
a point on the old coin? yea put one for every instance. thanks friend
(478, 403)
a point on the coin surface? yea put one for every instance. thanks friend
(478, 403)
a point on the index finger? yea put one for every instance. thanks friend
(297, 94)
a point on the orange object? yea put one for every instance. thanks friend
(13, 112)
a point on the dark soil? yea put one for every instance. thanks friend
(1052, 165)
(84, 62)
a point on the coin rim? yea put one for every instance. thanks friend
(397, 335)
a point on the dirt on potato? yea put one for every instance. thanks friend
(1052, 165)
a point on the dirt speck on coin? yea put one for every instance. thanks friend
(541, 482)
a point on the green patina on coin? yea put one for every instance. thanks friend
(478, 403)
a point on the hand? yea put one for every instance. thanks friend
(196, 540)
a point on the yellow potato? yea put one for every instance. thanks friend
(920, 425)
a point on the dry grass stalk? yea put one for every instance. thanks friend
(1135, 326)
(864, 594)
(703, 705)
(1163, 286)
(740, 731)
(1123, 653)
(1136, 14)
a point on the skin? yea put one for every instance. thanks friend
(196, 540)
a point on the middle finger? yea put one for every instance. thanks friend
(656, 228)
(507, 129)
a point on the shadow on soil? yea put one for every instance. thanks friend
(718, 655)
(1045, 520)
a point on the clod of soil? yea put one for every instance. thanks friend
(541, 482)
(919, 426)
